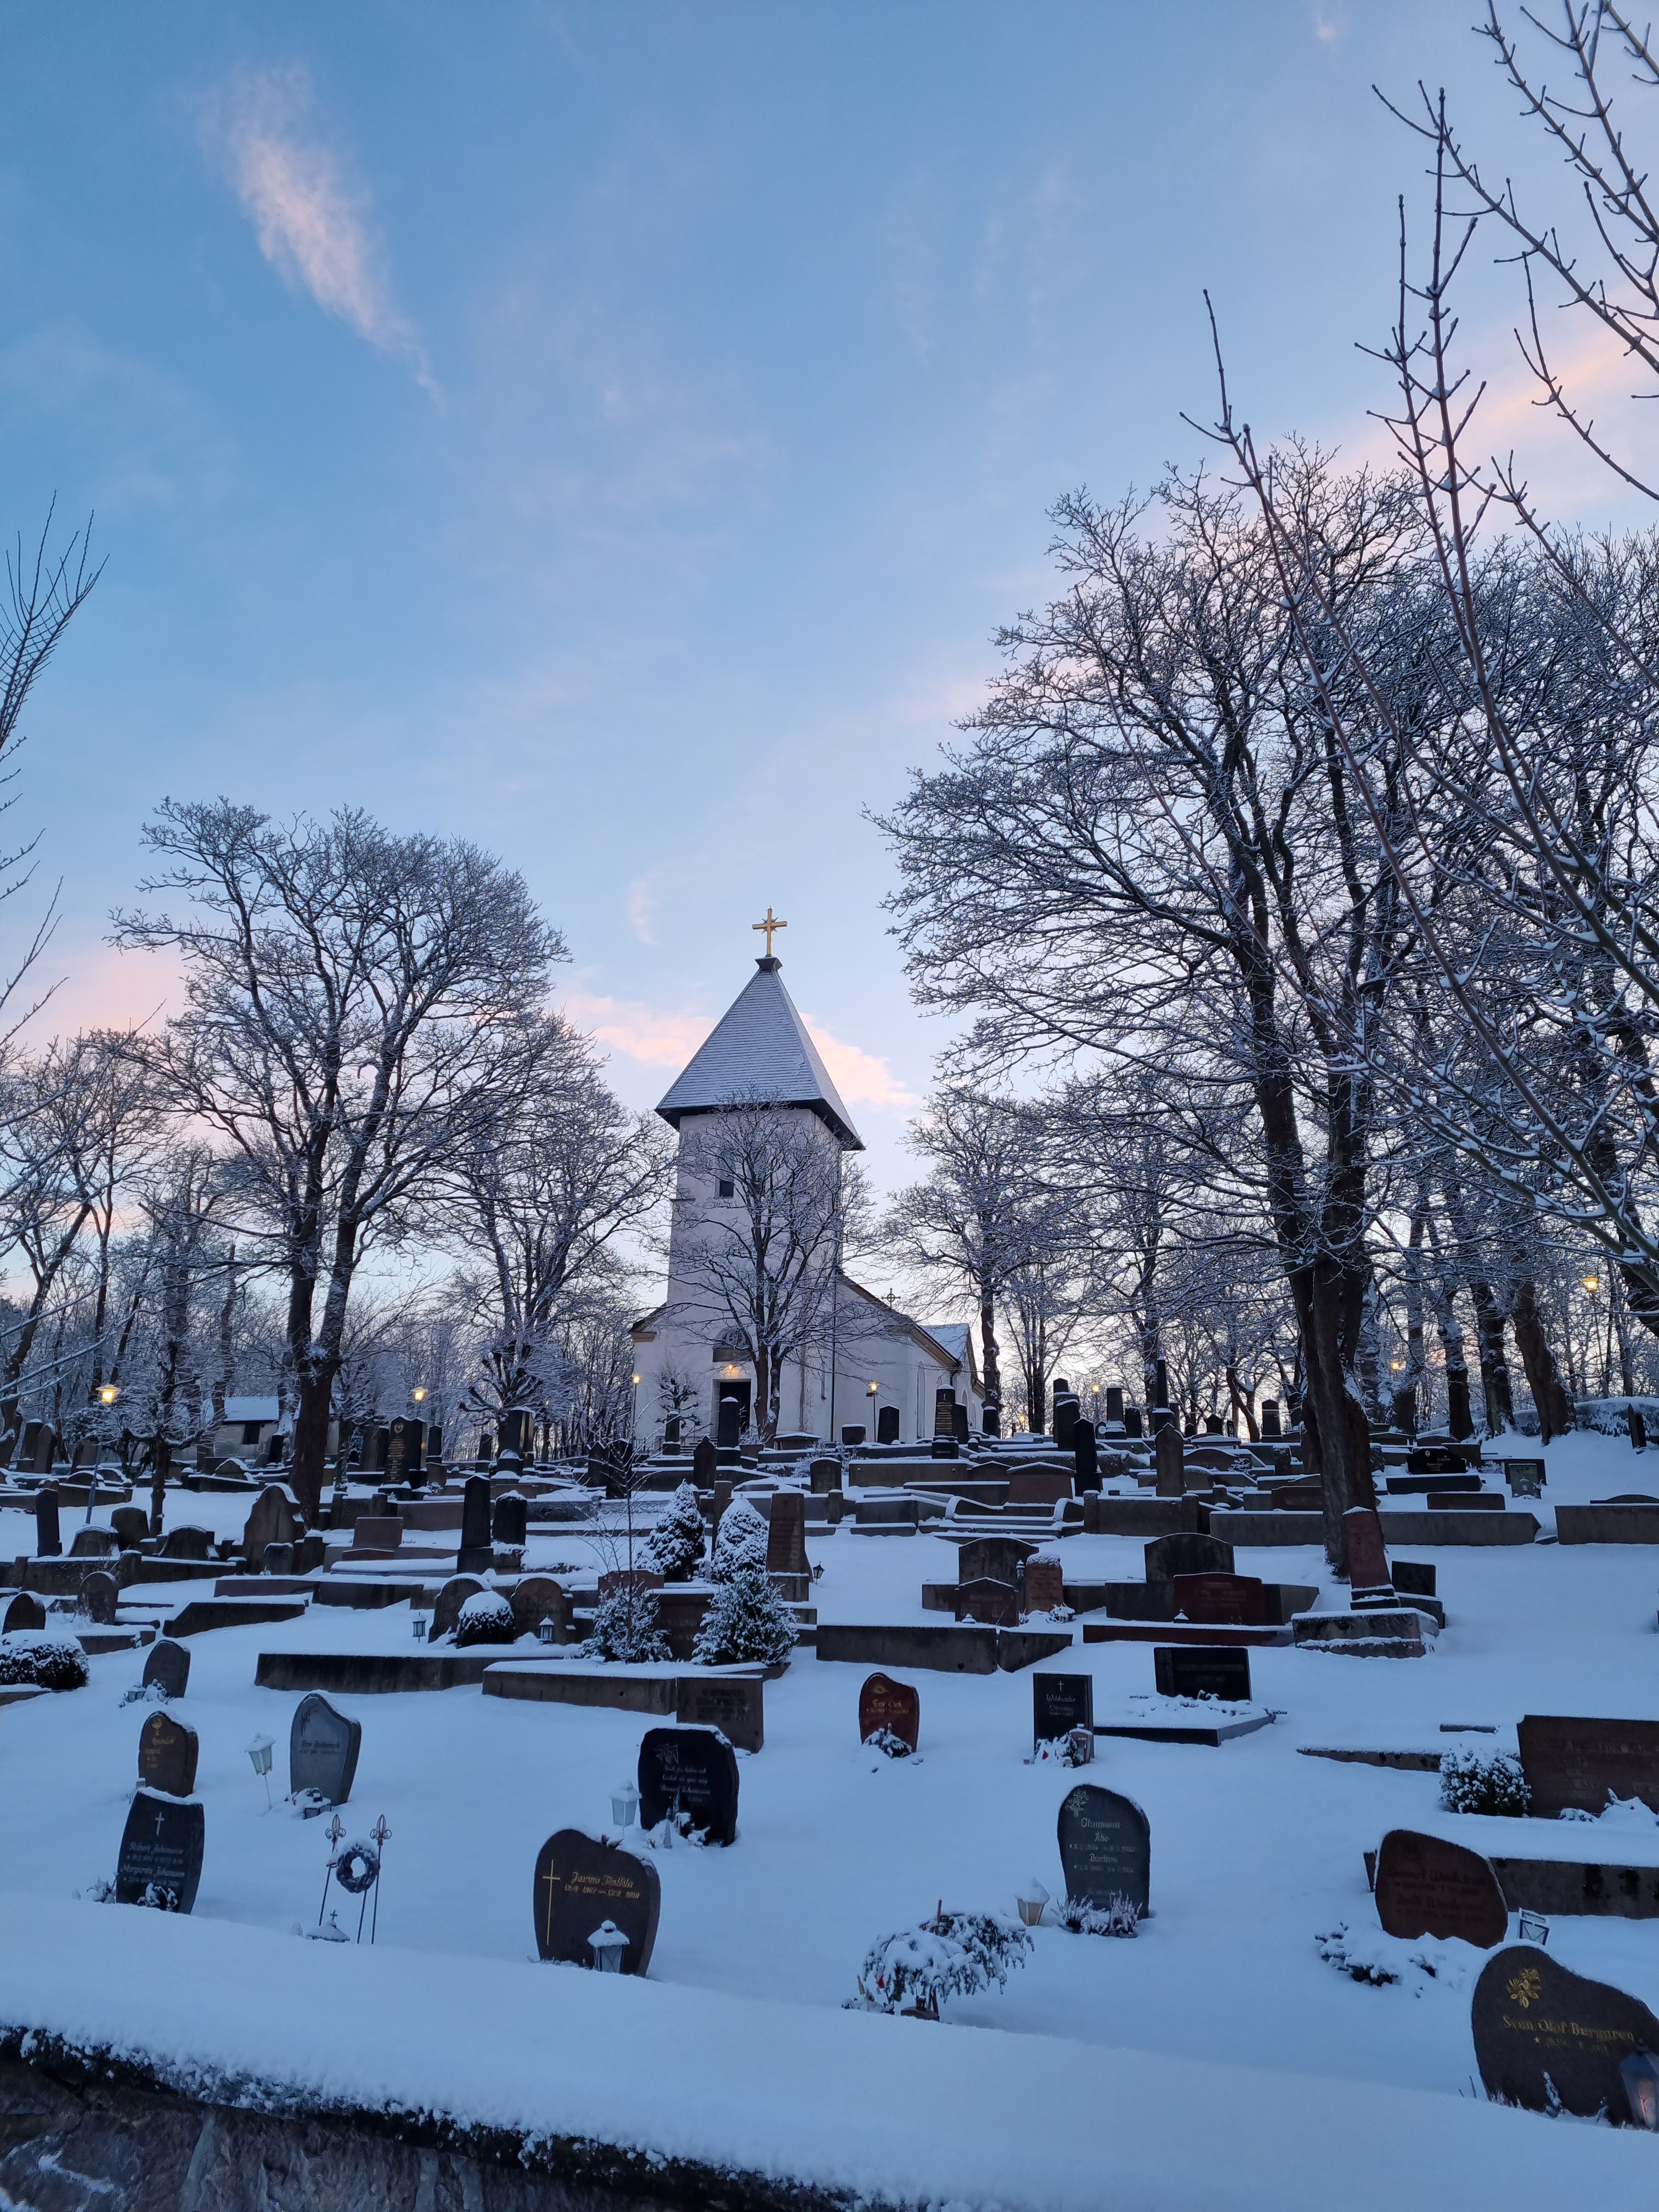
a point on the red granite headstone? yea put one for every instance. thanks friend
(893, 1706)
(1367, 1557)
(1045, 1585)
(1222, 1601)
(1428, 1887)
(167, 1752)
(993, 1605)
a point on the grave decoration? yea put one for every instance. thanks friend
(1198, 1670)
(1428, 1887)
(1105, 1849)
(689, 1777)
(322, 1753)
(1578, 1764)
(889, 1716)
(583, 1880)
(168, 1753)
(357, 1867)
(166, 1670)
(1546, 2038)
(486, 1617)
(1059, 1704)
(161, 1859)
(97, 1599)
(951, 1954)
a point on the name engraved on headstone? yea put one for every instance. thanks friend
(733, 1703)
(1570, 1762)
(692, 1771)
(1198, 1670)
(322, 1749)
(1045, 1585)
(1186, 1553)
(161, 1858)
(167, 1752)
(1220, 1601)
(1061, 1703)
(890, 1707)
(1426, 1886)
(1539, 2027)
(582, 1880)
(1105, 1846)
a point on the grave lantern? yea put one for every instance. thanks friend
(108, 1395)
(607, 1943)
(1032, 1901)
(625, 1801)
(259, 1751)
(548, 1629)
(1535, 1928)
(417, 1627)
(1641, 2079)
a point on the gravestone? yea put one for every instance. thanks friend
(399, 1463)
(1066, 1413)
(48, 1544)
(702, 1463)
(1221, 1601)
(1061, 1703)
(187, 1543)
(851, 1434)
(1131, 1422)
(1105, 1846)
(1413, 1579)
(1270, 1418)
(131, 1526)
(1427, 1886)
(1576, 1763)
(639, 1579)
(1168, 1455)
(887, 1425)
(786, 1538)
(1186, 1553)
(670, 1435)
(25, 1611)
(1199, 1670)
(447, 1610)
(1525, 1477)
(993, 1605)
(733, 1703)
(1045, 1585)
(168, 1664)
(509, 1521)
(1038, 1485)
(271, 1520)
(1436, 1459)
(719, 1502)
(278, 1559)
(1085, 1450)
(94, 1544)
(45, 1449)
(477, 1552)
(26, 1447)
(537, 1598)
(161, 1860)
(1368, 1582)
(692, 1771)
(322, 1750)
(1539, 2028)
(895, 1707)
(825, 1475)
(582, 1881)
(993, 1559)
(729, 1425)
(167, 1752)
(1213, 1426)
(97, 1600)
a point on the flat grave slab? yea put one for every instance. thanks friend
(705, 1697)
(1191, 1727)
(203, 1614)
(372, 1674)
(1353, 1754)
(953, 1651)
(1179, 1632)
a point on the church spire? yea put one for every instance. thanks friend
(760, 1049)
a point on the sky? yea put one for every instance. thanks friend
(614, 433)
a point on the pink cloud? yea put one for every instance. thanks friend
(653, 1039)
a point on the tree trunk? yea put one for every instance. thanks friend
(1326, 1297)
(309, 1462)
(1494, 1366)
(1543, 1376)
(988, 1339)
(161, 1460)
(226, 1355)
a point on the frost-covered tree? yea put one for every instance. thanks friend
(746, 1620)
(739, 1541)
(676, 1544)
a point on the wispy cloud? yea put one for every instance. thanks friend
(313, 225)
(863, 1079)
(642, 909)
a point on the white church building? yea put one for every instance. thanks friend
(865, 1357)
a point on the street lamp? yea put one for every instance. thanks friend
(419, 1395)
(108, 1395)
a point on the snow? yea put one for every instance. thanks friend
(1257, 1852)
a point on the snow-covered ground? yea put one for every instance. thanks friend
(1256, 1850)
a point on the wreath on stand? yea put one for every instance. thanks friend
(357, 1867)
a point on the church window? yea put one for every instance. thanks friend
(727, 1187)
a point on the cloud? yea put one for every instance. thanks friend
(312, 226)
(642, 909)
(863, 1079)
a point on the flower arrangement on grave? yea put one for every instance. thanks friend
(952, 1954)
(884, 1740)
(485, 1618)
(46, 1663)
(739, 1541)
(746, 1620)
(675, 1545)
(625, 1629)
(1119, 1916)
(1483, 1782)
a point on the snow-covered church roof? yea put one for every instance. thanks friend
(759, 1049)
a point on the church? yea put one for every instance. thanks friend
(856, 1361)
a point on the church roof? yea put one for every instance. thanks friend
(759, 1050)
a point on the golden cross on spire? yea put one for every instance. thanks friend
(768, 926)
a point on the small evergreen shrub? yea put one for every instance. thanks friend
(486, 1618)
(625, 1630)
(739, 1541)
(676, 1543)
(49, 1662)
(952, 1954)
(1483, 1782)
(746, 1620)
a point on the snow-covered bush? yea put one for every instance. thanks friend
(676, 1542)
(1119, 1916)
(746, 1620)
(485, 1618)
(952, 1954)
(625, 1629)
(50, 1662)
(884, 1740)
(739, 1541)
(1483, 1782)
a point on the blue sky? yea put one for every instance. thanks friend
(613, 432)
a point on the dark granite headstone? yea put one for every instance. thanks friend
(1576, 1763)
(399, 1463)
(1105, 1846)
(509, 1522)
(48, 1544)
(278, 1559)
(31, 1437)
(851, 1434)
(733, 1703)
(168, 1663)
(993, 1559)
(451, 1598)
(1114, 1401)
(186, 1543)
(582, 1881)
(1085, 1450)
(825, 1475)
(1525, 1477)
(1221, 1601)
(167, 1752)
(1542, 2032)
(671, 1433)
(477, 1552)
(97, 1601)
(25, 1611)
(94, 1544)
(959, 1414)
(786, 1540)
(1427, 1886)
(693, 1770)
(702, 1463)
(161, 1860)
(537, 1598)
(1436, 1459)
(993, 1605)
(1061, 1703)
(1168, 1457)
(1270, 1418)
(322, 1749)
(728, 1423)
(1413, 1579)
(1131, 1422)
(887, 1425)
(1186, 1553)
(45, 1449)
(271, 1520)
(893, 1706)
(131, 1526)
(1202, 1670)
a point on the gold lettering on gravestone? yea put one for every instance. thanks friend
(606, 1888)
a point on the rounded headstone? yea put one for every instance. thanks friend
(167, 1752)
(48, 1543)
(322, 1749)
(691, 1771)
(94, 1544)
(509, 1520)
(1105, 1847)
(891, 1708)
(161, 1860)
(97, 1600)
(25, 1611)
(278, 1559)
(582, 1880)
(451, 1598)
(1543, 2032)
(271, 1520)
(537, 1598)
(168, 1664)
(131, 1526)
(187, 1543)
(1426, 1886)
